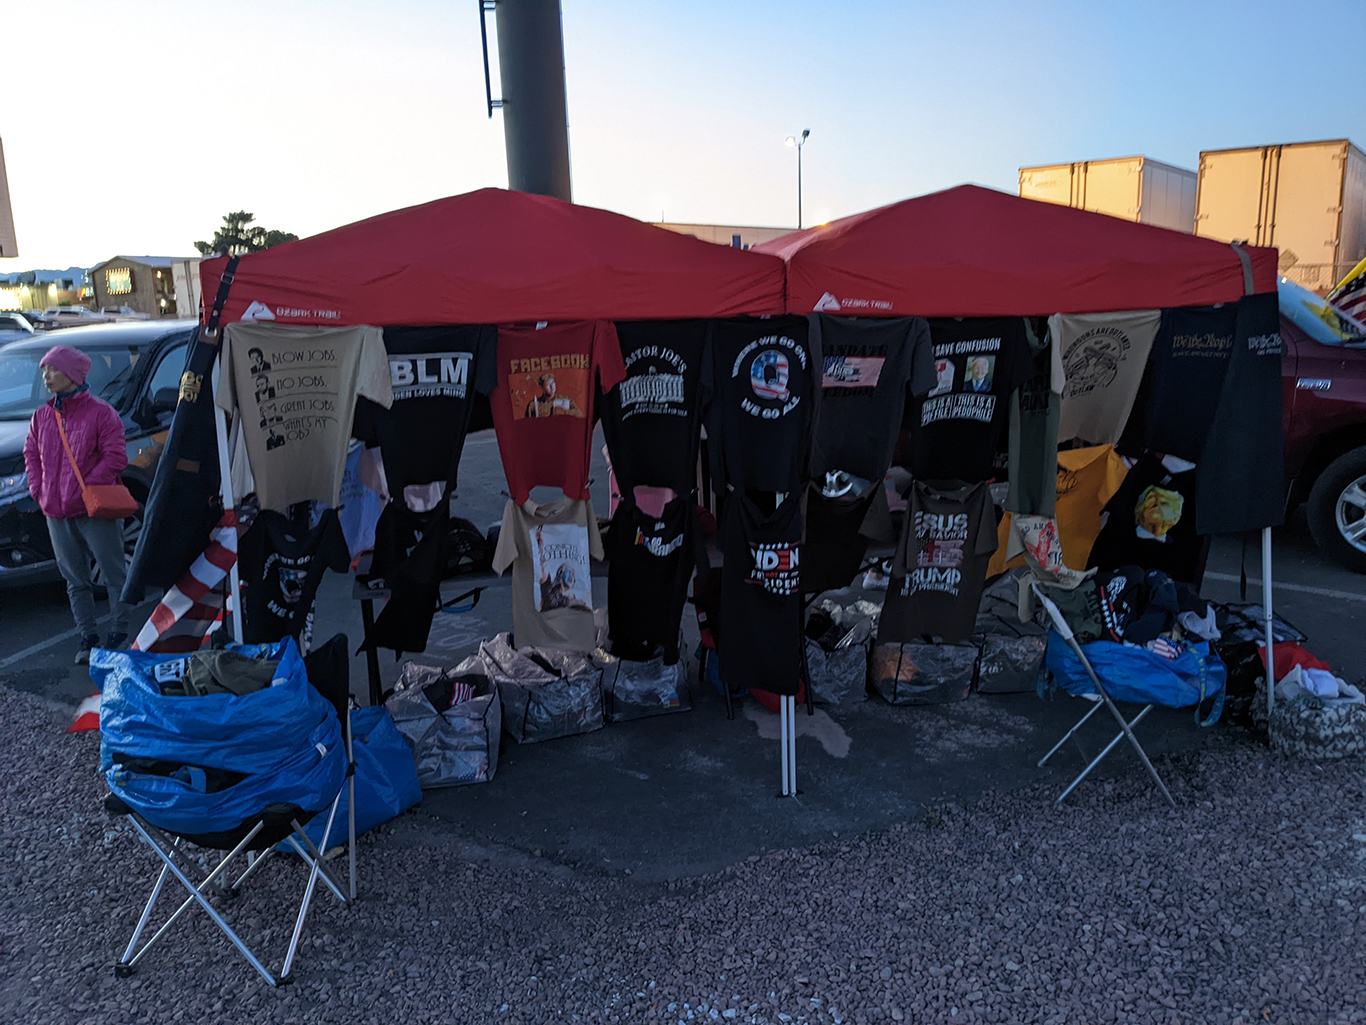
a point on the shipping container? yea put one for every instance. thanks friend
(1307, 199)
(1134, 188)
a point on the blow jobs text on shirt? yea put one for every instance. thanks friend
(304, 356)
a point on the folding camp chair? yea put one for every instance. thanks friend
(1103, 701)
(258, 838)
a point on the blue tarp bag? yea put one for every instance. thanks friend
(1135, 674)
(284, 740)
(386, 778)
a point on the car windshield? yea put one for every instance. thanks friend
(1317, 317)
(21, 382)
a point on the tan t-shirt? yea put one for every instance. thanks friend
(548, 547)
(1103, 355)
(295, 389)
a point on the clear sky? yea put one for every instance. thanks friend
(132, 127)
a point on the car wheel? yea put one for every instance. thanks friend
(1337, 510)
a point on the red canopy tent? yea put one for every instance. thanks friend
(496, 256)
(972, 251)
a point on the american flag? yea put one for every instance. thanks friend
(1164, 648)
(194, 605)
(1350, 294)
(187, 613)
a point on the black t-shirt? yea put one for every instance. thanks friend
(759, 636)
(435, 372)
(410, 556)
(940, 563)
(763, 395)
(649, 563)
(867, 365)
(835, 542)
(1151, 523)
(956, 426)
(651, 419)
(1240, 478)
(281, 564)
(1190, 357)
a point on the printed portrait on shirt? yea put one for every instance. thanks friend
(1157, 512)
(559, 559)
(978, 373)
(555, 386)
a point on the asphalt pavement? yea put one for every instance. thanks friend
(689, 793)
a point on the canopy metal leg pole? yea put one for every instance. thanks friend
(792, 743)
(783, 738)
(1270, 622)
(220, 423)
(350, 802)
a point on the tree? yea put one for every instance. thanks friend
(239, 236)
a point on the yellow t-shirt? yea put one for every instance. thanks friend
(1087, 479)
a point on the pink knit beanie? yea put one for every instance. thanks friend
(72, 362)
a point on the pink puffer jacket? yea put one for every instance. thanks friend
(96, 435)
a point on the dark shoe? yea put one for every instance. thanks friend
(116, 642)
(83, 652)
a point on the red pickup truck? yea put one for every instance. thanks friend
(1324, 413)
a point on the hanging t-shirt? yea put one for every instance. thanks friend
(956, 426)
(1103, 356)
(434, 373)
(360, 506)
(548, 547)
(652, 420)
(282, 563)
(837, 533)
(1033, 433)
(1151, 523)
(543, 405)
(410, 556)
(763, 395)
(1190, 358)
(759, 639)
(866, 367)
(295, 390)
(1087, 479)
(649, 563)
(940, 563)
(1240, 478)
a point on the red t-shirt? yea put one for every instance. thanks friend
(543, 405)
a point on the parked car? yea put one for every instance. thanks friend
(1324, 394)
(117, 313)
(72, 316)
(14, 327)
(136, 368)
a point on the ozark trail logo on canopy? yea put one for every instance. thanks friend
(258, 311)
(827, 304)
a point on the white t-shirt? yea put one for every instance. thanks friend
(295, 390)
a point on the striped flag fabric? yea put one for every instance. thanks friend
(87, 715)
(1350, 293)
(194, 604)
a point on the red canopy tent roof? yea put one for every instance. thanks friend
(496, 256)
(971, 251)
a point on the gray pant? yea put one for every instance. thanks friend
(74, 541)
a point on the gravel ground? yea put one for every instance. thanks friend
(1248, 905)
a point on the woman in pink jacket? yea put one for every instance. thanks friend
(95, 434)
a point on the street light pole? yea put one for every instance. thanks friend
(799, 143)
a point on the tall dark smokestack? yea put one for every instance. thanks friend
(535, 115)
